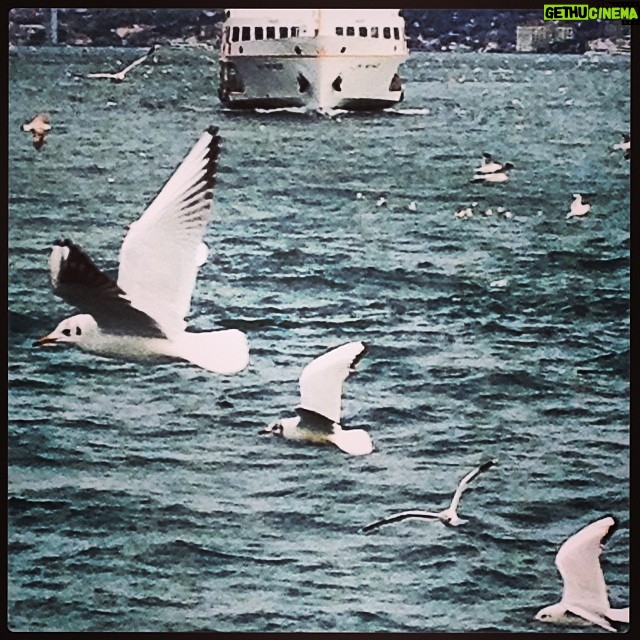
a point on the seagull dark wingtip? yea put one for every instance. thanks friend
(62, 242)
(487, 465)
(367, 528)
(360, 355)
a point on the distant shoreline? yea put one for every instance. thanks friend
(484, 31)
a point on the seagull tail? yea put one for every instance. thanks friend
(355, 442)
(224, 352)
(618, 615)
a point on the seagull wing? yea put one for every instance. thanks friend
(101, 75)
(312, 421)
(578, 561)
(160, 254)
(396, 517)
(465, 481)
(322, 379)
(594, 618)
(135, 63)
(77, 280)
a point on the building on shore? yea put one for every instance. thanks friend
(538, 38)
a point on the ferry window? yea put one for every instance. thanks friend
(339, 31)
(351, 31)
(363, 32)
(386, 32)
(246, 33)
(235, 34)
(271, 33)
(259, 33)
(284, 32)
(295, 32)
(396, 33)
(374, 32)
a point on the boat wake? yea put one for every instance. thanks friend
(327, 113)
(302, 110)
(407, 112)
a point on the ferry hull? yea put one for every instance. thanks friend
(322, 83)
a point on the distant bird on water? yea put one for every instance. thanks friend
(465, 212)
(579, 207)
(500, 175)
(625, 145)
(119, 75)
(39, 127)
(489, 165)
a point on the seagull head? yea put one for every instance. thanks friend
(283, 428)
(450, 518)
(75, 329)
(555, 613)
(273, 429)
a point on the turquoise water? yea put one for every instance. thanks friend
(143, 499)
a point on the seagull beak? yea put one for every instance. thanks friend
(44, 341)
(264, 430)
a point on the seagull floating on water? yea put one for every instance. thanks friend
(584, 595)
(624, 145)
(118, 76)
(579, 207)
(499, 175)
(381, 201)
(466, 212)
(39, 127)
(488, 165)
(318, 419)
(448, 516)
(141, 317)
(412, 206)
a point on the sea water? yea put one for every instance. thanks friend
(142, 498)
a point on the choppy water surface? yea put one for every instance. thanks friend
(143, 499)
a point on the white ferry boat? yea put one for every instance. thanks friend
(320, 59)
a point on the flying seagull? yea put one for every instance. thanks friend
(39, 127)
(118, 76)
(449, 516)
(579, 207)
(141, 317)
(584, 595)
(318, 419)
